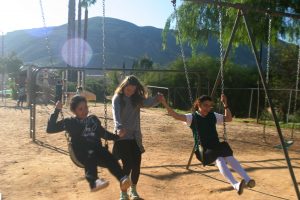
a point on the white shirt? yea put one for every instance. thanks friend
(189, 118)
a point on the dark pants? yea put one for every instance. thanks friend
(103, 158)
(131, 157)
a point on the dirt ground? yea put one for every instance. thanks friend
(43, 171)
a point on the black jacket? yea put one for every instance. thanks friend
(85, 134)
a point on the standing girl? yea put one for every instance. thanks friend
(86, 133)
(129, 98)
(203, 122)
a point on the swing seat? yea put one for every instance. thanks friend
(73, 156)
(287, 144)
(200, 156)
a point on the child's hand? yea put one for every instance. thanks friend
(121, 133)
(58, 105)
(224, 100)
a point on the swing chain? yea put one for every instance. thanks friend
(64, 125)
(296, 91)
(222, 65)
(267, 70)
(182, 53)
(269, 50)
(104, 71)
(46, 33)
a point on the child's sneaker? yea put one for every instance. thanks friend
(124, 196)
(99, 184)
(251, 183)
(133, 193)
(241, 187)
(125, 183)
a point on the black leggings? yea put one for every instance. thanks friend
(103, 158)
(131, 157)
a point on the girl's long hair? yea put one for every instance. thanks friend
(199, 101)
(140, 92)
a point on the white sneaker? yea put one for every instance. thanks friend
(100, 184)
(124, 196)
(133, 193)
(251, 183)
(241, 187)
(125, 183)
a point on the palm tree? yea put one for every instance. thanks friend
(86, 4)
(79, 45)
(71, 30)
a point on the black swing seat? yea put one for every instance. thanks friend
(287, 144)
(73, 156)
(200, 156)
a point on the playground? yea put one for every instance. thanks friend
(45, 171)
(263, 129)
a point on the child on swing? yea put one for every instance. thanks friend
(204, 121)
(86, 133)
(129, 98)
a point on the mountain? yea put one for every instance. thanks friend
(124, 43)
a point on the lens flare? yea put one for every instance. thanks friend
(82, 52)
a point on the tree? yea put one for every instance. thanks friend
(198, 22)
(71, 32)
(86, 4)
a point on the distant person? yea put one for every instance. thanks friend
(129, 98)
(86, 133)
(58, 91)
(79, 90)
(21, 96)
(203, 124)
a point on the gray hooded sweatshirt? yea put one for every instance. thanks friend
(128, 117)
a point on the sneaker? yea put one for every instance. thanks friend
(251, 183)
(99, 184)
(241, 187)
(125, 183)
(133, 193)
(124, 196)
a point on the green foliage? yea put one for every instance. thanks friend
(235, 76)
(95, 86)
(198, 22)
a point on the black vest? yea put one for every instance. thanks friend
(204, 128)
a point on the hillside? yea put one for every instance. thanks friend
(125, 42)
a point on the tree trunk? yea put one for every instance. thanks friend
(86, 16)
(79, 44)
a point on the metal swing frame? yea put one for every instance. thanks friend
(242, 10)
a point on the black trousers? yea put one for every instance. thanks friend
(103, 158)
(131, 156)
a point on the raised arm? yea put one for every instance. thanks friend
(151, 101)
(105, 134)
(171, 112)
(53, 125)
(227, 113)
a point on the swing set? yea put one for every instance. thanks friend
(241, 13)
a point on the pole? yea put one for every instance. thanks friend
(257, 105)
(250, 104)
(286, 154)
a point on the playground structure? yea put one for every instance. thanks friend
(38, 81)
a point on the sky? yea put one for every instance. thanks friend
(26, 14)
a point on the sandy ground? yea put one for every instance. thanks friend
(32, 171)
